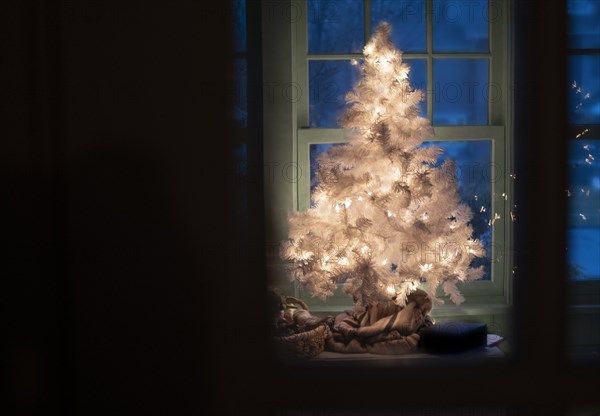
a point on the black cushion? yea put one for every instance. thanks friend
(453, 337)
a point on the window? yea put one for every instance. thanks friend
(583, 212)
(583, 245)
(457, 53)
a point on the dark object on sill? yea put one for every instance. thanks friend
(453, 337)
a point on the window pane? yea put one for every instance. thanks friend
(473, 159)
(583, 237)
(335, 26)
(329, 82)
(240, 99)
(474, 170)
(584, 23)
(460, 91)
(407, 18)
(239, 25)
(584, 97)
(418, 80)
(460, 26)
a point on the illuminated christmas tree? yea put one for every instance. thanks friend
(386, 216)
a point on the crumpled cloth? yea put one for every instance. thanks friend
(382, 327)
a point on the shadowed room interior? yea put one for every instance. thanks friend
(145, 160)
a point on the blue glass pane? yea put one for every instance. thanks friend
(584, 92)
(335, 26)
(583, 236)
(461, 26)
(461, 91)
(239, 25)
(584, 23)
(240, 98)
(407, 18)
(329, 82)
(474, 170)
(418, 80)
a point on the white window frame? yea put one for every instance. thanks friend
(483, 297)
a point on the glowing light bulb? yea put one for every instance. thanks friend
(425, 217)
(426, 267)
(385, 65)
(343, 261)
(390, 289)
(384, 262)
(364, 249)
(369, 49)
(337, 208)
(347, 203)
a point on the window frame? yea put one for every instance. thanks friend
(480, 296)
(497, 290)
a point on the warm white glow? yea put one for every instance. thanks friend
(383, 151)
(386, 65)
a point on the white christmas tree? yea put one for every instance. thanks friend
(386, 216)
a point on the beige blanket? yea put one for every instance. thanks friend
(382, 328)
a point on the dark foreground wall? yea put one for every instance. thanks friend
(116, 198)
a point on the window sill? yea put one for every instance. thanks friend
(328, 358)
